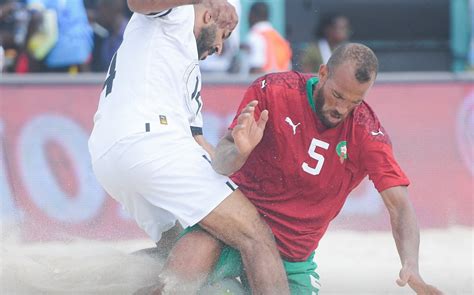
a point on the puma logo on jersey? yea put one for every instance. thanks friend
(288, 120)
(264, 83)
(377, 133)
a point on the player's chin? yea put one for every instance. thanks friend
(206, 54)
(331, 122)
(334, 119)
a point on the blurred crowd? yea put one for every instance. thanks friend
(60, 35)
(71, 36)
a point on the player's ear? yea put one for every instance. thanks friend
(323, 72)
(207, 17)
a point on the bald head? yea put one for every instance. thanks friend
(360, 57)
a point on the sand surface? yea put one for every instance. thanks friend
(349, 262)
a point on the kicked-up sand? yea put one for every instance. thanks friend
(349, 262)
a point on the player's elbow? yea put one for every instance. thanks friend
(222, 165)
(219, 168)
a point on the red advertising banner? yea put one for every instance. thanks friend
(47, 184)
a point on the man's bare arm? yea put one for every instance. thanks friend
(222, 12)
(407, 238)
(209, 148)
(153, 6)
(227, 159)
(234, 149)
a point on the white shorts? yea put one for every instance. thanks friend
(160, 181)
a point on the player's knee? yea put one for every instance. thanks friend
(242, 228)
(197, 250)
(257, 236)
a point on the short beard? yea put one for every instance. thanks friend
(205, 40)
(318, 106)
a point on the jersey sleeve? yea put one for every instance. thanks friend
(160, 13)
(173, 16)
(196, 125)
(378, 159)
(254, 92)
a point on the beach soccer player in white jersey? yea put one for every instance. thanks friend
(147, 147)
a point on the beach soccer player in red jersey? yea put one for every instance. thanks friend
(297, 147)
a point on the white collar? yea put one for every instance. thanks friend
(263, 25)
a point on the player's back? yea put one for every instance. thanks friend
(145, 84)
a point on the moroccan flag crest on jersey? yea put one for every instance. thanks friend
(341, 150)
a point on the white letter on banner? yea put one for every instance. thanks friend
(39, 179)
(8, 211)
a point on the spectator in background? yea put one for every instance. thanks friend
(91, 7)
(74, 43)
(267, 50)
(13, 30)
(332, 31)
(226, 61)
(7, 23)
(109, 26)
(41, 39)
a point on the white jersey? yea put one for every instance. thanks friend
(153, 83)
(142, 149)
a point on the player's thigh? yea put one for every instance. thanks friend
(194, 255)
(125, 173)
(112, 172)
(178, 178)
(236, 220)
(229, 264)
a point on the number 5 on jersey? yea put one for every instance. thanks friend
(315, 143)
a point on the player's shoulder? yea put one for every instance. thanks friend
(175, 14)
(365, 115)
(368, 124)
(288, 80)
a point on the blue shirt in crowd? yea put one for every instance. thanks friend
(75, 40)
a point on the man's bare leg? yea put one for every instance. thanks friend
(186, 271)
(190, 261)
(164, 245)
(237, 223)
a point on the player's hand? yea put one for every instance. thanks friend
(248, 132)
(414, 280)
(223, 13)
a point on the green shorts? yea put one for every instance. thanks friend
(302, 276)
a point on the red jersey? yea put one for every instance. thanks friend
(301, 173)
